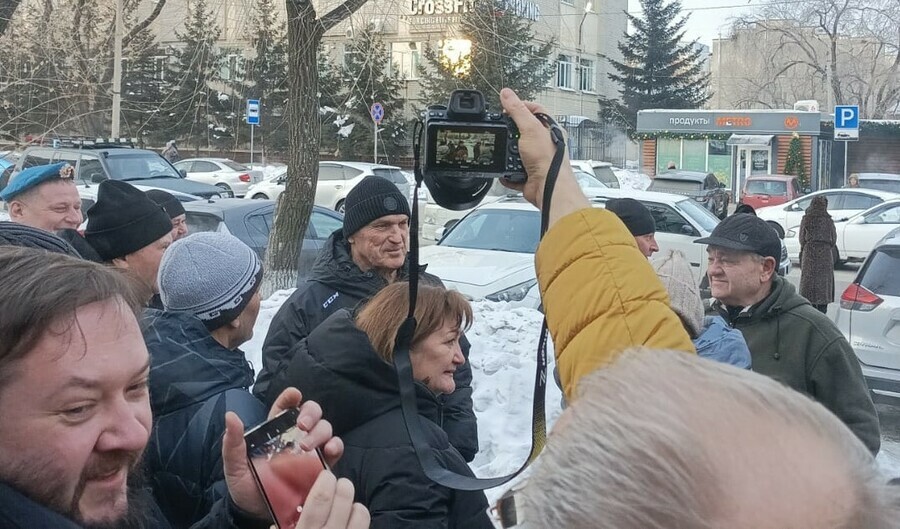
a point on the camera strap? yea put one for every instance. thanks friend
(424, 453)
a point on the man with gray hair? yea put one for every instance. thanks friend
(660, 440)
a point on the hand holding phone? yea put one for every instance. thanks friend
(283, 470)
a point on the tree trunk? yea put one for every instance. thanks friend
(295, 204)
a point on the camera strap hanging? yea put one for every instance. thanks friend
(427, 459)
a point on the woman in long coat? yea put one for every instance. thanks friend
(817, 240)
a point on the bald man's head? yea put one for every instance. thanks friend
(661, 439)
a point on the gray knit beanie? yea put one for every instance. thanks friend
(674, 270)
(211, 275)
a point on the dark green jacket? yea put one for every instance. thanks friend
(796, 344)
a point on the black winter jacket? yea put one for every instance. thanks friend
(334, 283)
(194, 380)
(359, 394)
(19, 512)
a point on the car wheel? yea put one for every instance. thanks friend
(777, 227)
(259, 196)
(837, 258)
(339, 207)
(226, 188)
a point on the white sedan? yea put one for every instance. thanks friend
(230, 176)
(857, 235)
(842, 203)
(489, 254)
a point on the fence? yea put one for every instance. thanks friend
(590, 140)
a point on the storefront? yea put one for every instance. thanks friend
(731, 144)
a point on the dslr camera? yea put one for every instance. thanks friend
(466, 148)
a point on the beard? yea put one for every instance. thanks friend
(39, 481)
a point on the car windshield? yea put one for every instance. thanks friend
(235, 166)
(882, 184)
(504, 230)
(607, 176)
(767, 187)
(587, 181)
(700, 214)
(139, 166)
(679, 187)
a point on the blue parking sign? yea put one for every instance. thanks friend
(846, 122)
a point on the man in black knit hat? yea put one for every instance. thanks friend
(173, 207)
(638, 220)
(130, 231)
(356, 262)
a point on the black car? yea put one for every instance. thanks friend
(252, 220)
(97, 162)
(705, 188)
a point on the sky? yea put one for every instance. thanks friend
(708, 17)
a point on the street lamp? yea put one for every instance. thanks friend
(579, 65)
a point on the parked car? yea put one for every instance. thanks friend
(842, 203)
(232, 177)
(770, 190)
(869, 316)
(336, 179)
(489, 254)
(705, 188)
(857, 235)
(883, 181)
(98, 162)
(251, 222)
(601, 170)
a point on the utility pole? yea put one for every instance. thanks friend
(117, 71)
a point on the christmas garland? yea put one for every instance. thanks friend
(680, 135)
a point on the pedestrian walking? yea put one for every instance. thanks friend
(817, 240)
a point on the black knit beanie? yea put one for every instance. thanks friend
(15, 234)
(124, 220)
(168, 202)
(372, 198)
(77, 240)
(636, 216)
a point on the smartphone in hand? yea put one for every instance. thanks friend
(283, 470)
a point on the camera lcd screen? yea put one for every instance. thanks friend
(467, 148)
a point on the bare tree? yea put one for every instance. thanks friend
(849, 47)
(305, 31)
(7, 10)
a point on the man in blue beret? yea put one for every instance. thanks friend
(44, 197)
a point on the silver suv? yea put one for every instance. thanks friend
(869, 317)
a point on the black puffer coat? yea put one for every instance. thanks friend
(338, 368)
(194, 380)
(334, 283)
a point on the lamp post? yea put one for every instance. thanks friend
(580, 49)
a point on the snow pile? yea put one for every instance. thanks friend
(632, 179)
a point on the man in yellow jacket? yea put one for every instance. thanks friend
(624, 304)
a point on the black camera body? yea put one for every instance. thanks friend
(465, 140)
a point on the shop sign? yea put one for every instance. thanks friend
(688, 121)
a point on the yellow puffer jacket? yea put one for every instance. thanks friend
(601, 295)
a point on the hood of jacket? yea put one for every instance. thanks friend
(335, 267)
(338, 368)
(187, 365)
(718, 341)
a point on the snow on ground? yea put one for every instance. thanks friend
(3, 215)
(631, 179)
(504, 344)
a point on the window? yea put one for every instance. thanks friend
(889, 214)
(564, 74)
(330, 172)
(670, 221)
(231, 67)
(89, 168)
(205, 167)
(258, 227)
(200, 222)
(37, 157)
(186, 166)
(323, 225)
(405, 59)
(586, 76)
(880, 274)
(498, 230)
(235, 166)
(855, 201)
(767, 187)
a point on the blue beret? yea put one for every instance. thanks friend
(33, 177)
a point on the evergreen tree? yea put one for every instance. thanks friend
(144, 90)
(659, 69)
(196, 114)
(794, 164)
(264, 77)
(505, 52)
(369, 77)
(334, 118)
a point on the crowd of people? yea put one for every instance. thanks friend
(125, 394)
